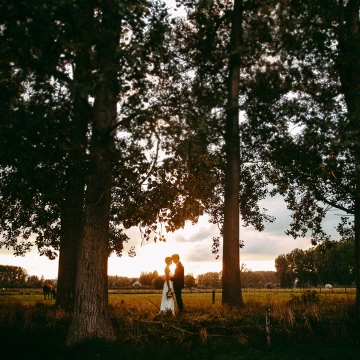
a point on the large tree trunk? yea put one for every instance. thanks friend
(349, 60)
(71, 229)
(91, 316)
(72, 212)
(231, 293)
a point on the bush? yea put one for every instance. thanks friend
(306, 298)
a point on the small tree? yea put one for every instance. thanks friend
(158, 282)
(12, 275)
(189, 281)
(147, 278)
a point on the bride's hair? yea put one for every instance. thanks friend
(168, 259)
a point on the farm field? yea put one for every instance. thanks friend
(198, 299)
(144, 296)
(304, 325)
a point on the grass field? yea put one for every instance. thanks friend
(304, 325)
(194, 298)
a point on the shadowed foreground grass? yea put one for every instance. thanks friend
(303, 326)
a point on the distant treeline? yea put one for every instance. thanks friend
(258, 279)
(12, 276)
(254, 279)
(331, 262)
(16, 276)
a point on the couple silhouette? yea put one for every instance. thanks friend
(173, 285)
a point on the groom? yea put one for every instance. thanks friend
(178, 281)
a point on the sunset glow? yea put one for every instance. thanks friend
(193, 244)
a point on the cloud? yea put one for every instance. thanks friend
(202, 252)
(277, 207)
(180, 238)
(202, 234)
(205, 233)
(269, 246)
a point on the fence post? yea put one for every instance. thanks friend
(213, 297)
(267, 326)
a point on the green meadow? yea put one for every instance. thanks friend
(303, 325)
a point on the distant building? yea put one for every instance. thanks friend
(136, 284)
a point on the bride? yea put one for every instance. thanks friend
(167, 300)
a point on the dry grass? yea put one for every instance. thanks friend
(205, 329)
(306, 316)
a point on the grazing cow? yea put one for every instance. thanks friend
(328, 286)
(49, 291)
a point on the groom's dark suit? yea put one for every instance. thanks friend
(178, 283)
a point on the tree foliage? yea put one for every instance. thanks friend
(333, 263)
(214, 63)
(16, 276)
(158, 282)
(86, 82)
(12, 275)
(257, 279)
(301, 109)
(119, 282)
(95, 90)
(189, 281)
(210, 279)
(148, 278)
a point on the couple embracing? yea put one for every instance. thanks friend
(173, 285)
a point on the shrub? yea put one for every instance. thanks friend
(306, 298)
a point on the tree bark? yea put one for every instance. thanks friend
(231, 294)
(72, 212)
(91, 315)
(71, 229)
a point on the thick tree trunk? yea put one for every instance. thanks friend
(349, 59)
(71, 234)
(72, 220)
(91, 315)
(72, 213)
(231, 294)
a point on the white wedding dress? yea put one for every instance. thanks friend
(167, 304)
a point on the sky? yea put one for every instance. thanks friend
(193, 244)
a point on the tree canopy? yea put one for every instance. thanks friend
(333, 263)
(115, 116)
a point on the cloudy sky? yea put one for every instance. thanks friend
(193, 244)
